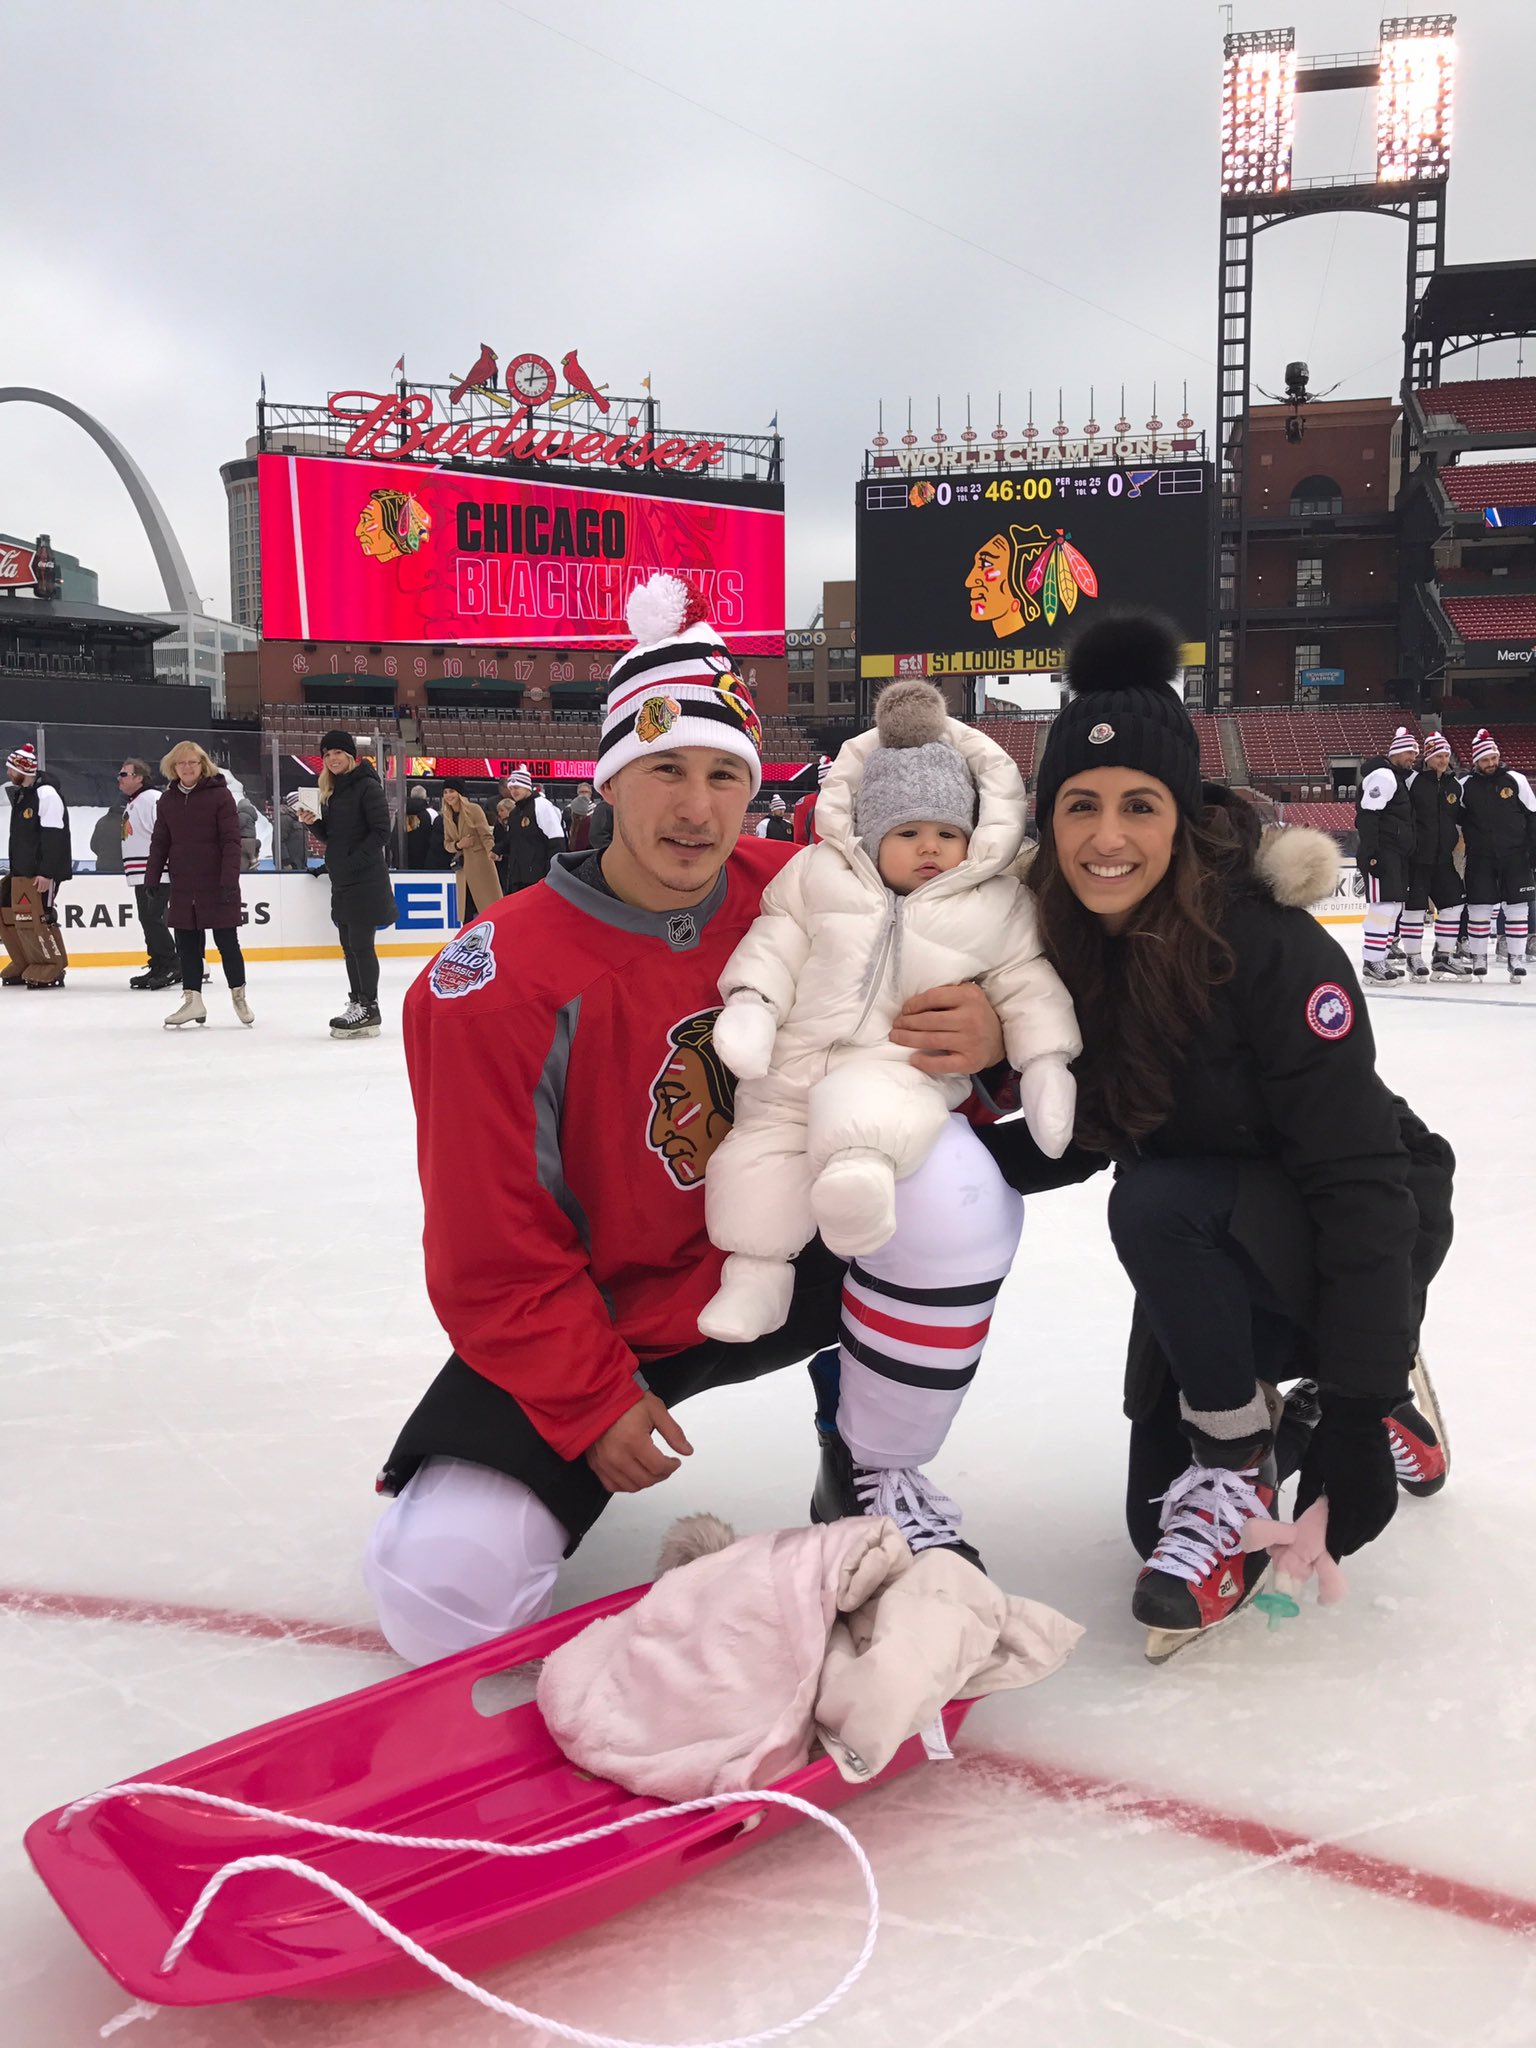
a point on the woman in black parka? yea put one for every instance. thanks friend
(1277, 1209)
(353, 826)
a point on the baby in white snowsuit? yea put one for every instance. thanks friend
(920, 821)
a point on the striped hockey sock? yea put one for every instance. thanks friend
(1380, 922)
(908, 1354)
(1411, 933)
(1447, 930)
(1479, 929)
(1517, 924)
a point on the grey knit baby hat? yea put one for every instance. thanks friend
(915, 772)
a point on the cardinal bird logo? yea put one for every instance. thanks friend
(483, 373)
(579, 381)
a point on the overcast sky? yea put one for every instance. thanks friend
(790, 206)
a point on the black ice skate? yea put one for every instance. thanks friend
(1418, 967)
(1380, 973)
(926, 1516)
(1301, 1414)
(1516, 964)
(1198, 1576)
(156, 978)
(1450, 966)
(357, 1020)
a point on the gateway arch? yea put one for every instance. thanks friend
(180, 595)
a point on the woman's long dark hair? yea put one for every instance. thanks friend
(1141, 995)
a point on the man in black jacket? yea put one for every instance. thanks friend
(522, 849)
(1499, 825)
(39, 852)
(1434, 797)
(1384, 822)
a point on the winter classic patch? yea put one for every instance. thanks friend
(465, 964)
(1330, 1013)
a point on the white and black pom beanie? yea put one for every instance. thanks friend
(1123, 712)
(677, 687)
(915, 772)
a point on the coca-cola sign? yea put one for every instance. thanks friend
(18, 565)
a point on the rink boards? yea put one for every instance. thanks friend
(288, 917)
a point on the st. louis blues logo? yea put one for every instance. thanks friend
(1330, 1013)
(465, 964)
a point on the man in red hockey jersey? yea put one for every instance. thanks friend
(568, 1097)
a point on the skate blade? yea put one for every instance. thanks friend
(1427, 1402)
(1165, 1643)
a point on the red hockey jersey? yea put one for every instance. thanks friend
(568, 1098)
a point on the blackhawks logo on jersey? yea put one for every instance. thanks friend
(693, 1100)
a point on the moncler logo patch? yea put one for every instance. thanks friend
(1100, 734)
(1330, 1013)
(465, 964)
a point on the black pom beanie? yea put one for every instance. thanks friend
(344, 742)
(1122, 712)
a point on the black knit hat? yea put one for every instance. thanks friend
(344, 740)
(1122, 712)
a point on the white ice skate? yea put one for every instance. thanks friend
(1516, 965)
(752, 1299)
(853, 1200)
(242, 1007)
(192, 1010)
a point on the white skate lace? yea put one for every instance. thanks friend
(1202, 1520)
(354, 1013)
(1403, 1451)
(923, 1512)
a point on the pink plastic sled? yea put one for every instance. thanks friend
(411, 1755)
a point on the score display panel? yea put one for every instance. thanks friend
(992, 574)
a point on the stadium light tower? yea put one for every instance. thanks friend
(1413, 70)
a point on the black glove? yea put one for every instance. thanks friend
(1350, 1460)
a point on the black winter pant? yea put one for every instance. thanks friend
(158, 942)
(190, 945)
(357, 942)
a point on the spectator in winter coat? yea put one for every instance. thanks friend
(777, 823)
(471, 844)
(293, 841)
(578, 818)
(197, 835)
(353, 827)
(107, 843)
(523, 849)
(600, 831)
(1277, 1210)
(418, 830)
(250, 834)
(38, 852)
(141, 805)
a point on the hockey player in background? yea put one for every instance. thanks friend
(776, 825)
(1434, 796)
(1499, 825)
(1384, 822)
(37, 844)
(804, 821)
(141, 805)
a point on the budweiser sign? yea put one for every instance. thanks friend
(18, 565)
(395, 428)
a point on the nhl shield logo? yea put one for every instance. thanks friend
(681, 930)
(465, 964)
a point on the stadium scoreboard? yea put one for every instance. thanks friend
(973, 574)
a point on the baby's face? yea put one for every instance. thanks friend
(914, 854)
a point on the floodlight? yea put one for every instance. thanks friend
(1413, 98)
(1258, 111)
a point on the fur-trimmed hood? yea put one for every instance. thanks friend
(1297, 865)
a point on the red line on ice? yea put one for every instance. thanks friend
(1113, 1798)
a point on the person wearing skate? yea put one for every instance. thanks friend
(1434, 797)
(353, 827)
(141, 802)
(568, 1098)
(38, 850)
(197, 835)
(1278, 1211)
(1498, 822)
(1384, 823)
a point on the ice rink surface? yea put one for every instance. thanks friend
(214, 1320)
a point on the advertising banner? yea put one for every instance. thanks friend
(1519, 655)
(373, 551)
(965, 574)
(1321, 678)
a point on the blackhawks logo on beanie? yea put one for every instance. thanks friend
(677, 687)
